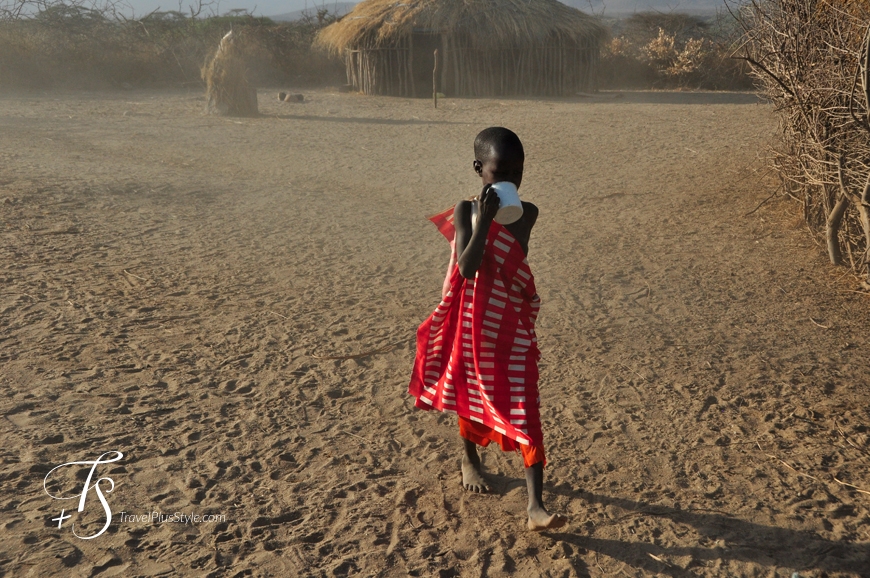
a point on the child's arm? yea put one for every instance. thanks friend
(445, 287)
(470, 243)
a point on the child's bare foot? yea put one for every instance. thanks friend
(540, 520)
(472, 477)
(472, 472)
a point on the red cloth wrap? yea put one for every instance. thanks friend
(477, 354)
(483, 436)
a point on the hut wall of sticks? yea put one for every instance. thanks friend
(811, 59)
(486, 47)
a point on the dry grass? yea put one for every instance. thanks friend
(487, 24)
(228, 92)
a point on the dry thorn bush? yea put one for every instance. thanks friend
(811, 59)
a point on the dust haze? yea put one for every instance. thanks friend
(232, 303)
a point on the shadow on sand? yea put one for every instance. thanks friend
(359, 120)
(671, 97)
(767, 546)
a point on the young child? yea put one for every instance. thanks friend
(477, 354)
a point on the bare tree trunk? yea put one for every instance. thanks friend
(835, 217)
(832, 229)
(864, 211)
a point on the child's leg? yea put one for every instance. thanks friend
(472, 472)
(539, 518)
(473, 435)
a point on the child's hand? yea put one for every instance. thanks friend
(487, 203)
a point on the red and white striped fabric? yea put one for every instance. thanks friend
(477, 354)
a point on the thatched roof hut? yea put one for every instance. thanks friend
(486, 47)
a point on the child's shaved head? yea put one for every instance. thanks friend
(496, 140)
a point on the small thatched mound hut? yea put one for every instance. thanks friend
(486, 47)
(228, 92)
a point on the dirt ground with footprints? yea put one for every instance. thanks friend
(232, 303)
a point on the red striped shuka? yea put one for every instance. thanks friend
(477, 354)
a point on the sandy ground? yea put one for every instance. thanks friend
(232, 304)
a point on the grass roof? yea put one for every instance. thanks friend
(492, 24)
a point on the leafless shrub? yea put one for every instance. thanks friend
(673, 50)
(646, 25)
(678, 61)
(811, 59)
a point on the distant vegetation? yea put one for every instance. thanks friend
(90, 43)
(673, 50)
(55, 43)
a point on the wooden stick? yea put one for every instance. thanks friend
(136, 276)
(848, 441)
(435, 80)
(842, 483)
(856, 488)
(789, 467)
(762, 203)
(356, 436)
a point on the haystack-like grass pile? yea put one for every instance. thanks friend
(228, 91)
(811, 57)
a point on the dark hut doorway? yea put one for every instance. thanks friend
(424, 43)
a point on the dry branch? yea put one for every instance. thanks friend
(809, 57)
